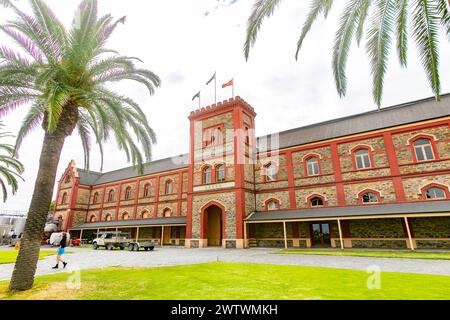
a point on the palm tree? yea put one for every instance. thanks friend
(10, 168)
(388, 19)
(63, 75)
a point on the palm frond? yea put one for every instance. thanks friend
(444, 13)
(347, 24)
(261, 9)
(31, 121)
(362, 19)
(402, 31)
(317, 7)
(426, 23)
(379, 43)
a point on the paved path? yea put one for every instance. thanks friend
(89, 259)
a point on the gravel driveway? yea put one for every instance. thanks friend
(170, 256)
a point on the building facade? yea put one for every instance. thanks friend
(379, 179)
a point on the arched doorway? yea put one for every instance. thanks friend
(212, 225)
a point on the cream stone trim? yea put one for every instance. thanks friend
(432, 182)
(311, 154)
(408, 141)
(360, 146)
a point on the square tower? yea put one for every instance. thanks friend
(221, 191)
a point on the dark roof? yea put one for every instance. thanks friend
(410, 112)
(95, 178)
(405, 113)
(131, 223)
(353, 211)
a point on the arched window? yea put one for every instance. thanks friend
(95, 199)
(312, 166)
(125, 216)
(272, 204)
(369, 197)
(93, 218)
(128, 193)
(169, 187)
(316, 202)
(147, 190)
(270, 172)
(362, 159)
(247, 136)
(145, 215)
(108, 217)
(423, 149)
(167, 213)
(64, 198)
(68, 179)
(220, 173)
(435, 192)
(207, 176)
(111, 196)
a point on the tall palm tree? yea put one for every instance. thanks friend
(10, 167)
(388, 19)
(63, 75)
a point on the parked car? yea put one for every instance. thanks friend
(117, 239)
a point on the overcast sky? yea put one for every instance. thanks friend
(185, 41)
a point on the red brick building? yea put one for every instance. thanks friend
(379, 179)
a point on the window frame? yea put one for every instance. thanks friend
(375, 192)
(166, 185)
(208, 134)
(111, 198)
(313, 196)
(355, 157)
(147, 191)
(128, 194)
(275, 166)
(431, 139)
(306, 165)
(272, 200)
(95, 198)
(443, 187)
(216, 171)
(204, 168)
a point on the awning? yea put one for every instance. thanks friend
(410, 209)
(170, 221)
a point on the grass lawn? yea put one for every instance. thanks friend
(369, 253)
(234, 281)
(10, 256)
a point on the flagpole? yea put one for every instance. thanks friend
(215, 87)
(233, 87)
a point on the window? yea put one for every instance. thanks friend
(169, 187)
(369, 197)
(67, 180)
(95, 200)
(212, 136)
(207, 178)
(362, 159)
(167, 213)
(220, 173)
(92, 219)
(423, 150)
(270, 172)
(272, 205)
(147, 190)
(312, 166)
(64, 198)
(108, 217)
(128, 193)
(316, 202)
(247, 137)
(145, 215)
(111, 196)
(435, 193)
(125, 216)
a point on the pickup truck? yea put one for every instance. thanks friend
(112, 239)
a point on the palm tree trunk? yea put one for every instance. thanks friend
(25, 267)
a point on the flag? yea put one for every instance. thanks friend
(212, 78)
(196, 96)
(228, 84)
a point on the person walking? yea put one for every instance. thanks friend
(61, 251)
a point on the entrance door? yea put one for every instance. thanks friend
(166, 235)
(321, 235)
(214, 226)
